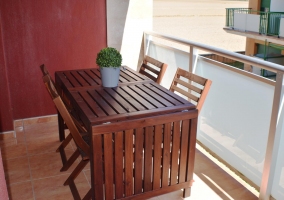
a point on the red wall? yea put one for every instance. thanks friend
(6, 118)
(62, 34)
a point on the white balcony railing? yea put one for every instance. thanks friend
(242, 118)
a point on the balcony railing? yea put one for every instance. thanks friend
(246, 19)
(242, 119)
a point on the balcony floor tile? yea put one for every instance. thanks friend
(32, 169)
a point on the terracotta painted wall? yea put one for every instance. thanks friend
(5, 102)
(65, 34)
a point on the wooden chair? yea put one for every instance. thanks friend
(194, 87)
(153, 69)
(79, 124)
(77, 133)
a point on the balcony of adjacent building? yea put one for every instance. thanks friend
(260, 25)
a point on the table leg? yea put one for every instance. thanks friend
(61, 127)
(186, 192)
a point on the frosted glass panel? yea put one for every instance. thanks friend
(235, 119)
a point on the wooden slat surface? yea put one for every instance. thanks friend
(108, 163)
(72, 79)
(157, 157)
(191, 154)
(87, 75)
(148, 169)
(102, 105)
(98, 167)
(146, 155)
(92, 77)
(166, 155)
(184, 150)
(138, 161)
(175, 152)
(128, 162)
(118, 150)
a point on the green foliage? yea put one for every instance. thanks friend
(109, 57)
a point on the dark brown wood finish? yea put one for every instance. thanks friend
(141, 134)
(136, 154)
(92, 77)
(101, 105)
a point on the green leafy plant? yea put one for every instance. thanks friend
(109, 57)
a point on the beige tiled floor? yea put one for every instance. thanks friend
(32, 169)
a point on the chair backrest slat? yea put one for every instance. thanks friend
(196, 89)
(185, 93)
(188, 85)
(193, 77)
(150, 69)
(153, 69)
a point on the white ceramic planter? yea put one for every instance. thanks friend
(110, 76)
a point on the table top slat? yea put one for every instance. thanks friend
(96, 72)
(138, 98)
(136, 75)
(104, 105)
(71, 79)
(128, 98)
(127, 106)
(111, 101)
(79, 78)
(146, 96)
(156, 96)
(166, 94)
(85, 110)
(94, 77)
(87, 77)
(63, 81)
(87, 97)
(122, 79)
(126, 77)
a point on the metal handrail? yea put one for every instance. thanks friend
(222, 52)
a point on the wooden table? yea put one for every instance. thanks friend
(143, 135)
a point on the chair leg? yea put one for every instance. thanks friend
(61, 149)
(70, 161)
(76, 171)
(88, 196)
(61, 127)
(74, 191)
(65, 142)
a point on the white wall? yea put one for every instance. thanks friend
(126, 22)
(277, 6)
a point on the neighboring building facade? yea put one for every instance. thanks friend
(262, 23)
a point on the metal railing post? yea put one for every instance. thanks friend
(193, 54)
(272, 143)
(190, 67)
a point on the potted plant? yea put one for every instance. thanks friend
(109, 60)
